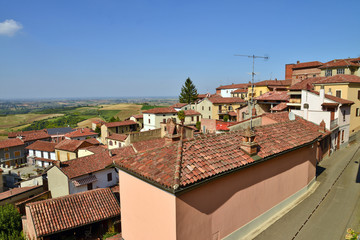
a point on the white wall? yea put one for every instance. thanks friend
(314, 116)
(149, 125)
(52, 156)
(227, 92)
(31, 153)
(38, 154)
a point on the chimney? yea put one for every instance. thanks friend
(275, 79)
(110, 153)
(322, 127)
(297, 62)
(322, 94)
(248, 144)
(253, 112)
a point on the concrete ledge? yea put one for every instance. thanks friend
(260, 223)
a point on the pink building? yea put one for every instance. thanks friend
(216, 186)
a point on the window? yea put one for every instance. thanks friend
(359, 94)
(314, 75)
(192, 118)
(185, 108)
(7, 155)
(328, 72)
(357, 112)
(340, 71)
(209, 108)
(260, 93)
(164, 120)
(110, 143)
(338, 93)
(344, 112)
(6, 149)
(109, 177)
(342, 135)
(209, 117)
(149, 120)
(89, 186)
(203, 106)
(58, 155)
(230, 108)
(17, 154)
(197, 118)
(68, 156)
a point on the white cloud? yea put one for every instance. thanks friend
(9, 27)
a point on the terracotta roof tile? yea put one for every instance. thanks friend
(191, 112)
(232, 86)
(227, 100)
(71, 145)
(12, 142)
(274, 96)
(161, 110)
(340, 78)
(93, 141)
(149, 144)
(280, 107)
(192, 161)
(81, 132)
(277, 83)
(138, 116)
(24, 133)
(93, 163)
(122, 123)
(240, 91)
(59, 214)
(335, 99)
(179, 105)
(308, 65)
(16, 191)
(95, 149)
(42, 146)
(341, 63)
(118, 137)
(305, 84)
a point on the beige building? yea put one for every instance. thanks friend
(268, 86)
(116, 140)
(117, 127)
(349, 66)
(68, 149)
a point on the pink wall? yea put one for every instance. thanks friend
(147, 212)
(28, 225)
(222, 206)
(209, 124)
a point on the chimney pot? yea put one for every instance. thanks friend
(297, 62)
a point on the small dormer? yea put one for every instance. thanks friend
(248, 143)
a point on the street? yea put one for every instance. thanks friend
(331, 209)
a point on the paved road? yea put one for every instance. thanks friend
(339, 210)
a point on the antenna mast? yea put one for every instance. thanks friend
(252, 82)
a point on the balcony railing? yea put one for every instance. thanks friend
(334, 123)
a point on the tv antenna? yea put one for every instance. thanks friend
(252, 82)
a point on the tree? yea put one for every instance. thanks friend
(181, 116)
(10, 223)
(188, 92)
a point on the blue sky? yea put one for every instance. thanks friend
(148, 48)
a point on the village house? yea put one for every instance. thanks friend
(345, 87)
(97, 124)
(268, 100)
(117, 127)
(86, 215)
(227, 90)
(19, 194)
(41, 153)
(86, 151)
(267, 86)
(216, 186)
(348, 66)
(217, 107)
(58, 134)
(68, 149)
(116, 140)
(240, 93)
(81, 134)
(139, 119)
(300, 71)
(29, 137)
(12, 152)
(85, 173)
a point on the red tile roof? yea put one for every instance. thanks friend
(179, 105)
(183, 164)
(305, 84)
(122, 123)
(335, 99)
(191, 112)
(72, 145)
(35, 136)
(201, 96)
(42, 146)
(149, 144)
(93, 163)
(81, 132)
(341, 63)
(232, 86)
(340, 78)
(16, 191)
(23, 133)
(313, 64)
(59, 214)
(93, 141)
(280, 107)
(224, 126)
(12, 142)
(95, 149)
(161, 110)
(228, 100)
(137, 116)
(274, 83)
(274, 96)
(117, 137)
(240, 91)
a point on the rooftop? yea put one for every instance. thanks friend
(71, 145)
(339, 78)
(274, 83)
(341, 63)
(42, 146)
(274, 96)
(313, 64)
(179, 105)
(149, 144)
(137, 116)
(227, 100)
(16, 191)
(59, 214)
(280, 107)
(305, 84)
(232, 86)
(81, 132)
(161, 110)
(93, 163)
(122, 123)
(12, 142)
(59, 131)
(117, 137)
(191, 112)
(335, 99)
(182, 164)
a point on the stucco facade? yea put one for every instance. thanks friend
(12, 155)
(219, 208)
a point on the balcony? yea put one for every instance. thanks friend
(333, 123)
(295, 100)
(223, 111)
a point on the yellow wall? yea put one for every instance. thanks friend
(349, 92)
(58, 182)
(257, 90)
(215, 109)
(64, 155)
(334, 71)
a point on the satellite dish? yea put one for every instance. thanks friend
(291, 116)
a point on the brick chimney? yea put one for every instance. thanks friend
(322, 127)
(248, 144)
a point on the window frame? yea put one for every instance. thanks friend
(336, 93)
(109, 177)
(340, 71)
(328, 72)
